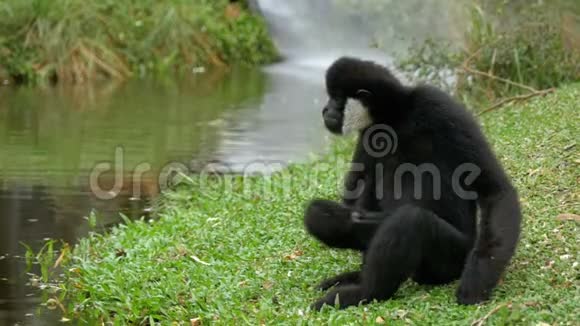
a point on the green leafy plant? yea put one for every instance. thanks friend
(509, 48)
(76, 41)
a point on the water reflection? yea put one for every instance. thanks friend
(31, 213)
(51, 139)
(17, 207)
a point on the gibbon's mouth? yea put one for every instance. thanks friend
(334, 126)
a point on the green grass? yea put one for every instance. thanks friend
(235, 258)
(76, 40)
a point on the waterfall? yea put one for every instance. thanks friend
(312, 34)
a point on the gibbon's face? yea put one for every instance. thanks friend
(343, 116)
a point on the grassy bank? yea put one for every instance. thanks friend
(241, 256)
(76, 41)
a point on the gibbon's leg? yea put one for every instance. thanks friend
(340, 279)
(410, 238)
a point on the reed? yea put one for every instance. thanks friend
(77, 41)
(509, 48)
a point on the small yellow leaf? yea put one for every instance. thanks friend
(267, 285)
(568, 217)
(294, 255)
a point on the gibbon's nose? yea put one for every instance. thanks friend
(329, 113)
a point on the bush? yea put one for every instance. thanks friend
(534, 45)
(75, 40)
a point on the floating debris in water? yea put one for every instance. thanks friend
(216, 123)
(198, 70)
(566, 257)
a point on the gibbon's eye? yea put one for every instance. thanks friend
(363, 93)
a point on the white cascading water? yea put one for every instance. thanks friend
(312, 34)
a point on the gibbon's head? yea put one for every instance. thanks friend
(355, 88)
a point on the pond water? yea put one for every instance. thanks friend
(54, 141)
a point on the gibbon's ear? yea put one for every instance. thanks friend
(363, 94)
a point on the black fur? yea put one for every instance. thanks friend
(433, 240)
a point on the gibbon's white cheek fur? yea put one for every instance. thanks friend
(356, 117)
